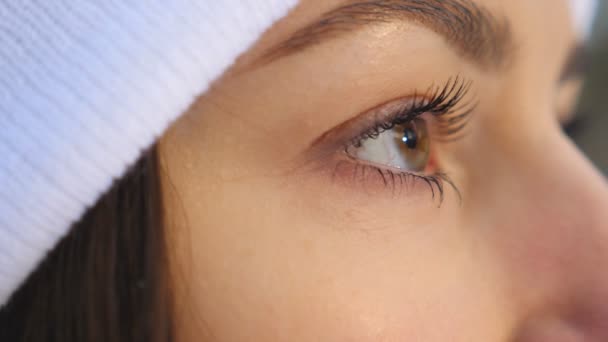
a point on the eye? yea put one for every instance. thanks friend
(392, 145)
(405, 147)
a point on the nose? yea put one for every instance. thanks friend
(553, 239)
(568, 217)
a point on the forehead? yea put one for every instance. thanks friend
(534, 24)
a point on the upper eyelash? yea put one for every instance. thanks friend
(441, 102)
(451, 118)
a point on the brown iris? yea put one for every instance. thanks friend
(414, 143)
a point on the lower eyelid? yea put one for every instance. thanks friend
(374, 180)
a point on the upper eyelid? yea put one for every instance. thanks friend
(346, 132)
(361, 122)
(440, 102)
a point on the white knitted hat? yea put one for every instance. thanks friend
(86, 85)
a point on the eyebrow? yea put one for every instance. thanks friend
(472, 30)
(577, 64)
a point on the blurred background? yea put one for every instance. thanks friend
(591, 132)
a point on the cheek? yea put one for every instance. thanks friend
(279, 263)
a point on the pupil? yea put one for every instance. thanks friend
(410, 139)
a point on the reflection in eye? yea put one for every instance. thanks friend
(405, 147)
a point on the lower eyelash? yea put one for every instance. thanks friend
(396, 180)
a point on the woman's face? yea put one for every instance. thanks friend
(391, 170)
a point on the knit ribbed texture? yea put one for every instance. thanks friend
(85, 86)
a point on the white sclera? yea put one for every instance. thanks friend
(388, 149)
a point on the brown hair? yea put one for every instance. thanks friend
(107, 280)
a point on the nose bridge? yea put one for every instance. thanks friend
(571, 188)
(547, 183)
(576, 214)
(554, 235)
(566, 201)
(585, 221)
(575, 193)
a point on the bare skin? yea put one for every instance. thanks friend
(280, 232)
